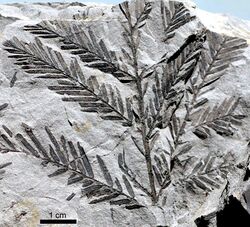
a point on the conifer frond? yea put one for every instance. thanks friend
(174, 16)
(220, 118)
(82, 43)
(35, 58)
(207, 174)
(69, 157)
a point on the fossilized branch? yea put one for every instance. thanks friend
(215, 66)
(204, 174)
(220, 119)
(133, 42)
(214, 61)
(70, 158)
(90, 51)
(212, 65)
(131, 175)
(223, 114)
(169, 91)
(141, 14)
(158, 103)
(174, 17)
(34, 58)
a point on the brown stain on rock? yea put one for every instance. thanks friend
(83, 128)
(24, 214)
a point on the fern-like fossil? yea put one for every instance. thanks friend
(220, 119)
(169, 90)
(179, 82)
(207, 175)
(3, 165)
(220, 53)
(72, 158)
(84, 44)
(173, 17)
(35, 58)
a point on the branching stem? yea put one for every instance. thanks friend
(59, 164)
(81, 47)
(85, 87)
(141, 106)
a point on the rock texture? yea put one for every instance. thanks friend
(126, 115)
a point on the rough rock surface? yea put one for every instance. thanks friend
(28, 107)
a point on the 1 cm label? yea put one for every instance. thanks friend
(58, 215)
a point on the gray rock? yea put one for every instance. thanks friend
(126, 115)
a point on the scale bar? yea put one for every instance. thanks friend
(58, 221)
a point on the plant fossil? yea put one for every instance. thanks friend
(160, 91)
(70, 157)
(3, 165)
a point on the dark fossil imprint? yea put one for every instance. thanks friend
(2, 170)
(173, 17)
(179, 80)
(3, 165)
(70, 157)
(35, 58)
(83, 44)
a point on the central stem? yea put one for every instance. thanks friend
(146, 141)
(141, 106)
